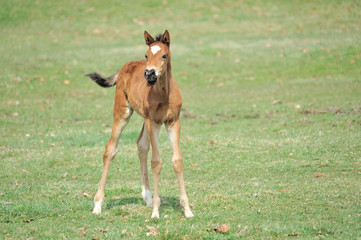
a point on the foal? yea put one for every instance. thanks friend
(147, 87)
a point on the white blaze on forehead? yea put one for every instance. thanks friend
(155, 49)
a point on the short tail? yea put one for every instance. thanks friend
(102, 81)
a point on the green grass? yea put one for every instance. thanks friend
(271, 121)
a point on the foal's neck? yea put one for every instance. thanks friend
(162, 85)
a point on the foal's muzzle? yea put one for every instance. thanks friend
(150, 76)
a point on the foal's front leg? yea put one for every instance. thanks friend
(143, 149)
(177, 162)
(156, 163)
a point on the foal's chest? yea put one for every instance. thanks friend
(163, 111)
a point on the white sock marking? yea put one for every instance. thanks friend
(155, 49)
(147, 196)
(97, 207)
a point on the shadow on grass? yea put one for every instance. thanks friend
(166, 202)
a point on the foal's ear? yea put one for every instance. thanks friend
(148, 38)
(165, 38)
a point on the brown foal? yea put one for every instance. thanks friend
(147, 87)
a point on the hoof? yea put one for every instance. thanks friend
(155, 214)
(97, 208)
(188, 214)
(147, 197)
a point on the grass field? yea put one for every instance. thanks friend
(271, 120)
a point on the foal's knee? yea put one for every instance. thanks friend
(156, 165)
(143, 147)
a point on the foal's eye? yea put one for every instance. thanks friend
(146, 57)
(164, 56)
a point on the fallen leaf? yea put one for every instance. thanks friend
(152, 231)
(277, 101)
(339, 111)
(29, 220)
(124, 231)
(293, 235)
(87, 194)
(193, 164)
(222, 229)
(66, 82)
(102, 231)
(220, 84)
(97, 31)
(83, 234)
(319, 175)
(306, 112)
(89, 10)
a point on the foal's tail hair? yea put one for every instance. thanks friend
(102, 81)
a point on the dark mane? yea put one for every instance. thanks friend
(158, 37)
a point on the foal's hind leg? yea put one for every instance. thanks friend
(177, 162)
(120, 120)
(143, 149)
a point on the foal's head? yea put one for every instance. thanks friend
(158, 56)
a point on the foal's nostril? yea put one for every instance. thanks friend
(149, 72)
